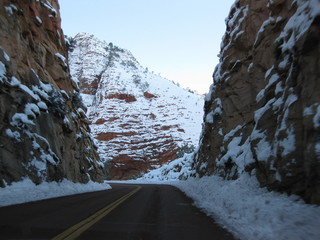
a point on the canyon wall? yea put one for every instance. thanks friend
(44, 134)
(262, 115)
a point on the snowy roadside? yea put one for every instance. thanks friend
(251, 212)
(242, 206)
(27, 191)
(248, 211)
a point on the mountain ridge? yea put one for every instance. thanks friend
(139, 118)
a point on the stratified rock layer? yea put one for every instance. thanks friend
(43, 130)
(139, 119)
(262, 115)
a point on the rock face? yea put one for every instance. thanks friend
(140, 119)
(43, 130)
(262, 115)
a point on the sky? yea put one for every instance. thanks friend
(178, 39)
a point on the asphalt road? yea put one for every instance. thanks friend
(125, 212)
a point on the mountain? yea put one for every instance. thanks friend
(141, 120)
(44, 135)
(262, 115)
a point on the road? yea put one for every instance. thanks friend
(135, 212)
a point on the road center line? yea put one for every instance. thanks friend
(76, 230)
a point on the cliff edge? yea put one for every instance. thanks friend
(44, 134)
(262, 115)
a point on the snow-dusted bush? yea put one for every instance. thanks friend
(70, 43)
(77, 99)
(57, 104)
(185, 149)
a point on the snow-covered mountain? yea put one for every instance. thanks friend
(140, 119)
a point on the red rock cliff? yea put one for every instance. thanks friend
(43, 131)
(263, 113)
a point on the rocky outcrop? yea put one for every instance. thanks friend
(43, 131)
(262, 115)
(140, 119)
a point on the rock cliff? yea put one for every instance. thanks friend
(140, 119)
(43, 130)
(262, 115)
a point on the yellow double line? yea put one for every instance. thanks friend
(76, 230)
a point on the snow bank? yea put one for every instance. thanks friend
(180, 168)
(251, 212)
(27, 191)
(242, 206)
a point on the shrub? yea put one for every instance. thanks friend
(77, 99)
(136, 79)
(186, 148)
(57, 104)
(70, 43)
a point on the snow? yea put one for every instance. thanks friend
(243, 207)
(14, 82)
(308, 111)
(279, 88)
(47, 158)
(209, 94)
(42, 106)
(2, 72)
(284, 63)
(46, 87)
(316, 118)
(6, 56)
(260, 95)
(261, 111)
(29, 91)
(290, 100)
(317, 150)
(75, 81)
(20, 119)
(32, 110)
(233, 23)
(38, 19)
(50, 7)
(13, 134)
(233, 151)
(64, 94)
(277, 104)
(62, 58)
(241, 155)
(268, 72)
(299, 23)
(231, 133)
(263, 149)
(272, 80)
(251, 212)
(269, 21)
(42, 93)
(26, 190)
(178, 169)
(210, 117)
(10, 9)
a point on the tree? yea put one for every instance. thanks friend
(186, 148)
(70, 43)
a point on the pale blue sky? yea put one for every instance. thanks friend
(179, 39)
